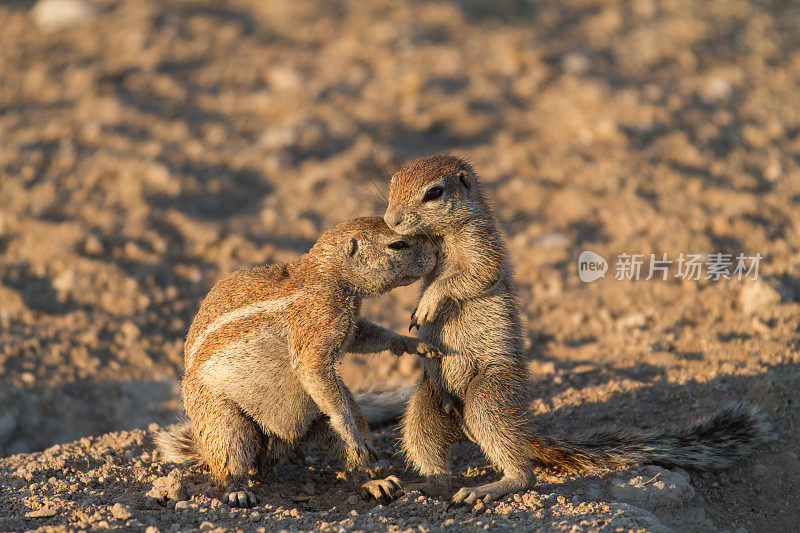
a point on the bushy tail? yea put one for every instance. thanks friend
(176, 444)
(713, 443)
(381, 406)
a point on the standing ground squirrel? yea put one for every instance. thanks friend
(479, 389)
(260, 356)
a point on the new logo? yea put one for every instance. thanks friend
(591, 266)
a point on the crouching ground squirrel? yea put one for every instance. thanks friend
(260, 376)
(479, 389)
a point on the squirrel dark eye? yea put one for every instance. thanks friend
(397, 245)
(432, 194)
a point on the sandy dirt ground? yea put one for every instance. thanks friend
(153, 146)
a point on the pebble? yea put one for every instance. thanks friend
(53, 15)
(716, 89)
(44, 512)
(575, 63)
(120, 512)
(656, 486)
(170, 487)
(632, 321)
(757, 295)
(92, 245)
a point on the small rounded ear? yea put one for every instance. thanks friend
(464, 179)
(352, 246)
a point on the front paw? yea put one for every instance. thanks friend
(425, 311)
(360, 456)
(383, 490)
(403, 345)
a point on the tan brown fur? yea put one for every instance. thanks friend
(260, 377)
(478, 390)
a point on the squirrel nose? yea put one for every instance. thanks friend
(392, 219)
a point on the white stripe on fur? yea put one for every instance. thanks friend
(264, 306)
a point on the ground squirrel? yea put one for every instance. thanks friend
(469, 310)
(260, 376)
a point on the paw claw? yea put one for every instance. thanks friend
(484, 494)
(383, 490)
(373, 454)
(241, 498)
(427, 351)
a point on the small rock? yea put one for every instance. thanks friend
(130, 331)
(169, 487)
(182, 505)
(51, 15)
(44, 512)
(632, 321)
(152, 529)
(656, 486)
(754, 136)
(575, 63)
(757, 295)
(65, 281)
(120, 512)
(92, 245)
(553, 239)
(773, 170)
(716, 89)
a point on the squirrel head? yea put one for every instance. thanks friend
(370, 258)
(433, 196)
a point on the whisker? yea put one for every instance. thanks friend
(377, 159)
(386, 173)
(382, 197)
(428, 236)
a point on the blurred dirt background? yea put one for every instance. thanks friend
(146, 148)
